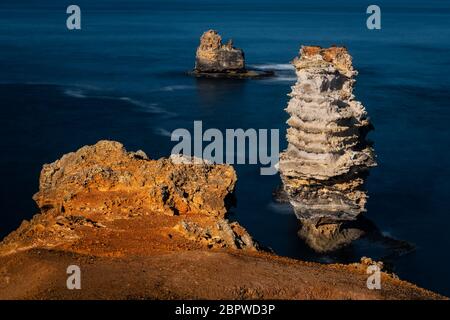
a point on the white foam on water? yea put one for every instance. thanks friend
(387, 234)
(280, 208)
(284, 72)
(273, 66)
(75, 93)
(177, 87)
(149, 107)
(144, 106)
(282, 79)
(163, 132)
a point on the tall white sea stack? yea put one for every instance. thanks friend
(327, 159)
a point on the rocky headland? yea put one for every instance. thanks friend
(217, 60)
(157, 229)
(327, 159)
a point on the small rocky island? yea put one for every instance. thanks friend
(327, 159)
(149, 229)
(217, 60)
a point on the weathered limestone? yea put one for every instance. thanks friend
(154, 229)
(162, 185)
(213, 56)
(327, 158)
(217, 60)
(103, 183)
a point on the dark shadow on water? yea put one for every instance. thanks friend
(211, 90)
(373, 244)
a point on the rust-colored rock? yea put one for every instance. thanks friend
(104, 182)
(217, 60)
(155, 229)
(337, 57)
(85, 181)
(220, 234)
(215, 57)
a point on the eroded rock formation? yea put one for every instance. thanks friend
(104, 182)
(328, 156)
(215, 59)
(155, 229)
(213, 56)
(154, 186)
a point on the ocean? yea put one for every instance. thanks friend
(123, 77)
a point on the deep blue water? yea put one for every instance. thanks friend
(122, 77)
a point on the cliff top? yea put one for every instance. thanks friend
(150, 229)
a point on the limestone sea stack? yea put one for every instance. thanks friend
(327, 159)
(215, 59)
(213, 56)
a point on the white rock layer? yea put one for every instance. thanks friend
(328, 156)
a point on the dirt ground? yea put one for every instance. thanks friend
(146, 258)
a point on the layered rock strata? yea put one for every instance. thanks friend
(215, 59)
(327, 158)
(213, 56)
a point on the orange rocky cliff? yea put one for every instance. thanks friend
(149, 229)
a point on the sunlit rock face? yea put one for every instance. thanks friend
(213, 56)
(99, 185)
(121, 182)
(327, 159)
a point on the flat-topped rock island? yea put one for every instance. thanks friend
(217, 60)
